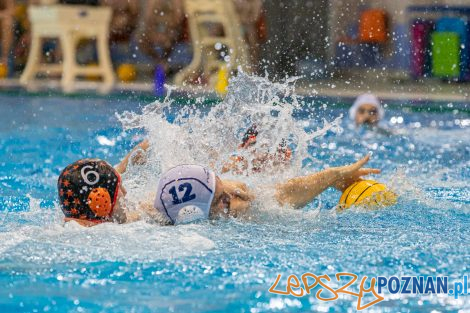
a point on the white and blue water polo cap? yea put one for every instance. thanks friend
(185, 193)
(366, 98)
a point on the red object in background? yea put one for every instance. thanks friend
(261, 29)
(420, 47)
(373, 26)
(185, 36)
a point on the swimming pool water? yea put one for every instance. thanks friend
(228, 265)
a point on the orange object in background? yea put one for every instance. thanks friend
(373, 26)
(126, 72)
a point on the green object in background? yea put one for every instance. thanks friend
(446, 54)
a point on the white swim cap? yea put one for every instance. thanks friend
(366, 98)
(185, 193)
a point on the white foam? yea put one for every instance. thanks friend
(72, 242)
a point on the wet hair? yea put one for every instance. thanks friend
(252, 131)
(88, 190)
(283, 146)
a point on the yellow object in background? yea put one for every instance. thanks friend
(222, 81)
(3, 70)
(93, 77)
(21, 14)
(367, 193)
(126, 72)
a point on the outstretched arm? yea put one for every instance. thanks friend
(299, 191)
(135, 156)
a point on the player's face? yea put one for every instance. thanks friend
(367, 114)
(220, 205)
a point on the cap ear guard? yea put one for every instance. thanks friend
(188, 214)
(99, 202)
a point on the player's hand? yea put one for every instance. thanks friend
(238, 189)
(349, 174)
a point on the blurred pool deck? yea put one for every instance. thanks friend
(346, 86)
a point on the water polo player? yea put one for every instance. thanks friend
(260, 160)
(189, 192)
(90, 189)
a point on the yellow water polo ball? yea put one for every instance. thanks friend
(126, 72)
(367, 193)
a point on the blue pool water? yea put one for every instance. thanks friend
(228, 265)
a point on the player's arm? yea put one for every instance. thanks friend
(136, 156)
(299, 191)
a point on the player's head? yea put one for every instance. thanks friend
(88, 190)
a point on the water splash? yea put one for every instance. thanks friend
(211, 137)
(71, 242)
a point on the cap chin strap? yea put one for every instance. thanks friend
(118, 185)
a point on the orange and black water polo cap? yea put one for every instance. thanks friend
(88, 190)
